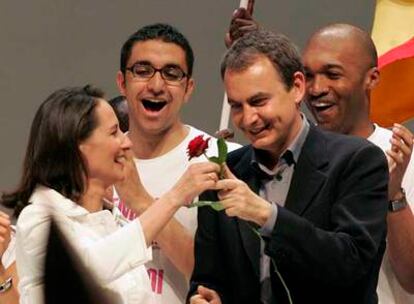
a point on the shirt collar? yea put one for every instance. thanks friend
(51, 198)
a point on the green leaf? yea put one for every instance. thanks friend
(222, 150)
(214, 205)
(214, 159)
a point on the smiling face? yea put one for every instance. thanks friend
(154, 105)
(338, 81)
(261, 106)
(103, 151)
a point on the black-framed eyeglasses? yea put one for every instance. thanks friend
(172, 74)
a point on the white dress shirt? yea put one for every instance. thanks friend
(114, 255)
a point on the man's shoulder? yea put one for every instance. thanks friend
(336, 143)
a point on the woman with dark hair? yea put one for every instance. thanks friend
(75, 152)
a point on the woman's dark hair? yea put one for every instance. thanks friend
(53, 159)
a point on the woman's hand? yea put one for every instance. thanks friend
(196, 179)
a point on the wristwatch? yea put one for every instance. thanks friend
(6, 285)
(398, 204)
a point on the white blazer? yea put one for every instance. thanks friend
(115, 255)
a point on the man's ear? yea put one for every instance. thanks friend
(120, 82)
(372, 78)
(189, 89)
(298, 87)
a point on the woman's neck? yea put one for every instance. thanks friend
(92, 198)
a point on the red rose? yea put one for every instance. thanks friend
(197, 146)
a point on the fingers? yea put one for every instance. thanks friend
(405, 134)
(402, 139)
(401, 145)
(204, 167)
(4, 220)
(227, 40)
(396, 157)
(213, 177)
(227, 172)
(227, 184)
(240, 24)
(250, 7)
(238, 13)
(4, 215)
(198, 178)
(5, 232)
(239, 27)
(207, 293)
(198, 299)
(225, 134)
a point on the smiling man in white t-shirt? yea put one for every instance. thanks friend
(156, 78)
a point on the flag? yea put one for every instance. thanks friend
(393, 34)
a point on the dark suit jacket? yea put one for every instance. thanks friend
(328, 240)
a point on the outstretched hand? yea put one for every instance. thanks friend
(242, 22)
(198, 178)
(398, 158)
(239, 200)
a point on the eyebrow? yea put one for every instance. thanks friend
(257, 96)
(333, 66)
(325, 67)
(146, 62)
(251, 98)
(113, 127)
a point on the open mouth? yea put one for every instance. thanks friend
(321, 106)
(120, 159)
(257, 131)
(153, 105)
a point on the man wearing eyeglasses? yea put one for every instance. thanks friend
(156, 78)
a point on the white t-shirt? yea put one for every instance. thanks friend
(389, 290)
(159, 175)
(116, 256)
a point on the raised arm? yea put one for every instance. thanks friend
(401, 223)
(174, 239)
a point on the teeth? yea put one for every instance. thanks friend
(321, 104)
(256, 131)
(120, 159)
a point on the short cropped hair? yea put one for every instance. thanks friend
(281, 52)
(157, 31)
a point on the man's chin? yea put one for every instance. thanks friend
(261, 144)
(328, 126)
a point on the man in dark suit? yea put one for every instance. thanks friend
(318, 200)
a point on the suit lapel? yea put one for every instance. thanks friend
(309, 175)
(307, 180)
(251, 241)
